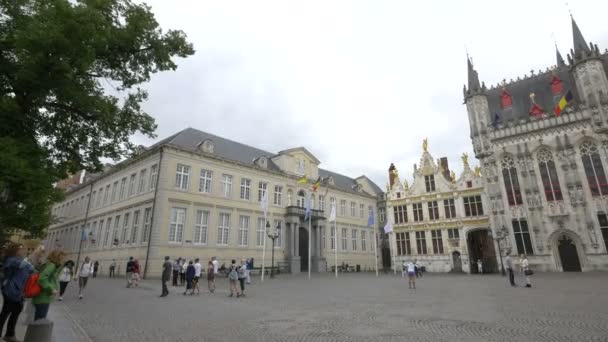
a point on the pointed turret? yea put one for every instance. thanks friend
(560, 60)
(579, 42)
(473, 77)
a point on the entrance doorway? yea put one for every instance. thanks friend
(568, 255)
(457, 262)
(303, 246)
(481, 247)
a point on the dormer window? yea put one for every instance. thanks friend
(331, 180)
(262, 162)
(206, 146)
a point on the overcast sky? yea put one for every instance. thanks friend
(358, 83)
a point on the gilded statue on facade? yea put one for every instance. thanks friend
(465, 159)
(452, 177)
(477, 171)
(425, 144)
(405, 185)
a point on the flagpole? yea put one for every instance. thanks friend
(393, 253)
(309, 242)
(336, 247)
(376, 251)
(264, 248)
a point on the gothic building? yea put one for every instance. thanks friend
(542, 141)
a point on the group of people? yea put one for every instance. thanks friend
(413, 270)
(190, 272)
(523, 268)
(66, 274)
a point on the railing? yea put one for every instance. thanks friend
(298, 211)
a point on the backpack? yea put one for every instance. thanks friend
(233, 275)
(32, 288)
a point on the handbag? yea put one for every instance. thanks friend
(528, 272)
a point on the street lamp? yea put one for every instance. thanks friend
(273, 236)
(500, 235)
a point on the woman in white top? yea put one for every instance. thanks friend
(64, 277)
(83, 275)
(525, 269)
(411, 275)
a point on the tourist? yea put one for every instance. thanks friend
(48, 284)
(95, 268)
(242, 270)
(129, 272)
(216, 265)
(249, 270)
(176, 267)
(65, 277)
(136, 273)
(198, 269)
(418, 269)
(166, 276)
(211, 276)
(509, 263)
(479, 266)
(411, 275)
(233, 277)
(525, 269)
(113, 268)
(182, 272)
(83, 275)
(404, 268)
(190, 272)
(16, 270)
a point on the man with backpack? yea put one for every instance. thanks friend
(129, 272)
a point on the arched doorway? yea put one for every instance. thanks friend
(301, 200)
(481, 247)
(568, 254)
(303, 246)
(457, 262)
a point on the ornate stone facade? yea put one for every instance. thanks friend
(544, 167)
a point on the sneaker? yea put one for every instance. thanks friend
(80, 296)
(60, 299)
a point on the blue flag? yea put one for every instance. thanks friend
(308, 211)
(370, 219)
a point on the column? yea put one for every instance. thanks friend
(296, 234)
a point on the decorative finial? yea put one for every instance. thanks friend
(425, 144)
(477, 171)
(405, 184)
(532, 97)
(465, 159)
(452, 177)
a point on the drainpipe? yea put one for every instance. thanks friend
(152, 214)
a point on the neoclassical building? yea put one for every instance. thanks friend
(440, 220)
(544, 162)
(195, 194)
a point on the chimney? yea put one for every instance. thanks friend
(443, 162)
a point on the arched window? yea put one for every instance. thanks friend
(548, 174)
(596, 178)
(509, 173)
(301, 199)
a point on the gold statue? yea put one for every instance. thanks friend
(477, 171)
(465, 159)
(425, 144)
(405, 185)
(452, 177)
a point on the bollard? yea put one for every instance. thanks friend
(39, 331)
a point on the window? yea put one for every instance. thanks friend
(223, 229)
(382, 214)
(278, 195)
(403, 243)
(93, 196)
(125, 229)
(449, 208)
(400, 212)
(147, 219)
(354, 240)
(114, 191)
(361, 210)
(548, 175)
(260, 232)
(429, 182)
(99, 234)
(92, 233)
(226, 185)
(176, 224)
(106, 238)
(437, 241)
(522, 237)
(453, 233)
(243, 230)
(333, 238)
(509, 173)
(132, 184)
(322, 202)
(123, 188)
(201, 226)
(245, 188)
(342, 207)
(301, 201)
(344, 239)
(332, 203)
(279, 227)
(262, 188)
(106, 196)
(417, 212)
(182, 177)
(205, 181)
(596, 178)
(323, 239)
(472, 206)
(153, 176)
(134, 227)
(603, 220)
(433, 210)
(363, 240)
(142, 181)
(421, 242)
(353, 209)
(115, 230)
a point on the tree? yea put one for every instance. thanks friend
(56, 57)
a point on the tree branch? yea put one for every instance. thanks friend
(69, 109)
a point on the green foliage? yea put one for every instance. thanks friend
(56, 57)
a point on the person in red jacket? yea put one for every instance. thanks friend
(136, 273)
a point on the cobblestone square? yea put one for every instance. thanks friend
(354, 307)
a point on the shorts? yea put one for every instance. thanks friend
(82, 281)
(411, 274)
(195, 280)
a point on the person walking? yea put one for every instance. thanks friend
(83, 275)
(211, 276)
(65, 276)
(95, 268)
(48, 284)
(176, 267)
(525, 269)
(411, 275)
(216, 265)
(166, 276)
(418, 269)
(182, 272)
(509, 264)
(479, 266)
(189, 278)
(404, 269)
(129, 272)
(242, 270)
(198, 269)
(233, 277)
(249, 270)
(16, 270)
(136, 273)
(113, 269)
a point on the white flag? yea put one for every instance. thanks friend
(388, 228)
(332, 214)
(265, 203)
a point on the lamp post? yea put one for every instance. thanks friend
(273, 236)
(500, 235)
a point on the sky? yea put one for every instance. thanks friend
(360, 84)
